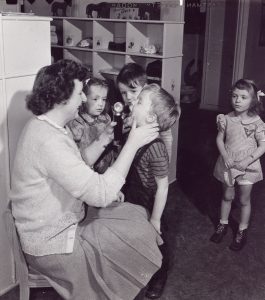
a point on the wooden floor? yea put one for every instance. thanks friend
(201, 270)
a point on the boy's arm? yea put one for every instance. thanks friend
(160, 202)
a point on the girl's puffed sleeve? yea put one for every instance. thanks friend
(221, 122)
(260, 132)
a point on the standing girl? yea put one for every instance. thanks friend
(94, 123)
(241, 142)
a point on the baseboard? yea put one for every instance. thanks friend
(7, 289)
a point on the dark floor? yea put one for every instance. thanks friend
(201, 270)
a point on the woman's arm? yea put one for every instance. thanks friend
(137, 138)
(160, 202)
(61, 162)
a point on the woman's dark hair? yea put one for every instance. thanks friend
(86, 89)
(256, 105)
(54, 84)
(132, 75)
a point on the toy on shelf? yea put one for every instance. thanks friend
(59, 8)
(100, 10)
(86, 43)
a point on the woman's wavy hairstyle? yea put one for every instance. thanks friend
(54, 84)
(249, 85)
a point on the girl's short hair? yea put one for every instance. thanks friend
(86, 89)
(132, 75)
(249, 85)
(163, 105)
(54, 84)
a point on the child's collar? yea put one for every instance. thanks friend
(249, 120)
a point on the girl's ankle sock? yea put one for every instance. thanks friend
(242, 227)
(223, 221)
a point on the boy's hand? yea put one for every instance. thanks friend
(120, 197)
(127, 124)
(156, 224)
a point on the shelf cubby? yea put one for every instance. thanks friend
(106, 32)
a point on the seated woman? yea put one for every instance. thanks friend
(111, 251)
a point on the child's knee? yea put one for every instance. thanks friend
(244, 200)
(229, 195)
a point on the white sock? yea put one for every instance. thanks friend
(242, 226)
(224, 221)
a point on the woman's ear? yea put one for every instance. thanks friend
(151, 118)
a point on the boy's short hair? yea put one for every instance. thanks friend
(132, 75)
(163, 105)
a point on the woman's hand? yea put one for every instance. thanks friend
(120, 197)
(156, 224)
(142, 135)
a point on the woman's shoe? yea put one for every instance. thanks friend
(239, 240)
(220, 232)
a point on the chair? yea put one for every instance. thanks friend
(26, 276)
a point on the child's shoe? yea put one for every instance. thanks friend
(220, 232)
(239, 240)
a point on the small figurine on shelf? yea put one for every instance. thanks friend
(100, 10)
(150, 49)
(86, 43)
(59, 8)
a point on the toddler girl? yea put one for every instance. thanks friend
(241, 142)
(92, 122)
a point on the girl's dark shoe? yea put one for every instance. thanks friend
(220, 232)
(239, 240)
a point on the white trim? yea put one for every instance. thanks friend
(241, 39)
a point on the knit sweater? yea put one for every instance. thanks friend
(50, 182)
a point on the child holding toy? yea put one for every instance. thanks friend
(94, 123)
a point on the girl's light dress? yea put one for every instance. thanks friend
(241, 140)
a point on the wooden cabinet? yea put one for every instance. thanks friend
(24, 49)
(111, 43)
